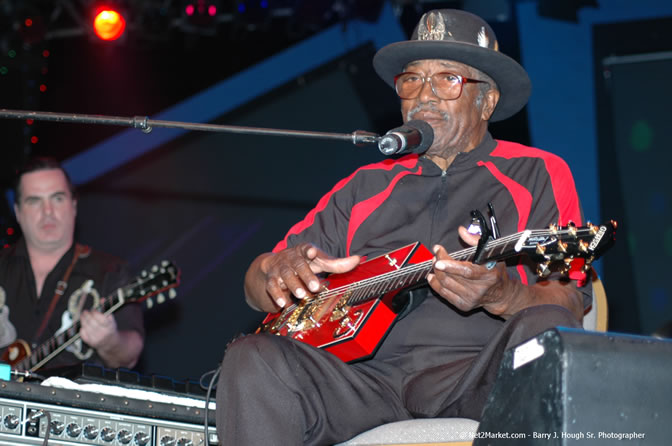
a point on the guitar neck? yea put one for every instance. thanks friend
(409, 275)
(55, 345)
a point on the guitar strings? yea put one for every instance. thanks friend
(409, 270)
(50, 347)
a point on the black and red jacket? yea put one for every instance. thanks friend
(383, 206)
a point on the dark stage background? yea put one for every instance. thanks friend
(219, 200)
(633, 94)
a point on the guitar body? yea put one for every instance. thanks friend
(353, 312)
(331, 320)
(153, 282)
(16, 352)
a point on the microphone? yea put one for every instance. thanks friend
(415, 136)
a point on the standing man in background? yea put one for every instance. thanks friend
(48, 281)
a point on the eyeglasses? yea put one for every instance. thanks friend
(445, 85)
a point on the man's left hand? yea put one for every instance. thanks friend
(98, 329)
(466, 285)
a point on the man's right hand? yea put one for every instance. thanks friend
(273, 278)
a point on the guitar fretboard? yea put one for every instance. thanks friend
(59, 341)
(373, 287)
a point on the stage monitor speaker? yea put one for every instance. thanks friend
(571, 387)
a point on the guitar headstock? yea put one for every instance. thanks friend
(154, 281)
(566, 244)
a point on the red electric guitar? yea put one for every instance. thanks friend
(152, 282)
(354, 310)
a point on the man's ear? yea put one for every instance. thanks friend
(489, 103)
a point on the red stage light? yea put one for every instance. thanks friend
(109, 24)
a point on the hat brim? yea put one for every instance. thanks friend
(512, 80)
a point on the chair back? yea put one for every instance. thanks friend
(597, 314)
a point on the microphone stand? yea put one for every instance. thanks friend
(358, 137)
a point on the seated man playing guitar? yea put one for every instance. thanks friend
(49, 283)
(441, 357)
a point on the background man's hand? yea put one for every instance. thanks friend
(97, 329)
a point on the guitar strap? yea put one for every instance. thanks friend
(81, 251)
(410, 300)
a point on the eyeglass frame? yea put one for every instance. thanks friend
(462, 80)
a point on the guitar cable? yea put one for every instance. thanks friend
(211, 386)
(7, 372)
(26, 374)
(37, 415)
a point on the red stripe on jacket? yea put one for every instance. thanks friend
(362, 210)
(409, 162)
(522, 198)
(566, 198)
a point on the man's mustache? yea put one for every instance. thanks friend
(48, 220)
(427, 107)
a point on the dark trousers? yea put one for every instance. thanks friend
(276, 391)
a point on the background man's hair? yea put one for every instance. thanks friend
(36, 164)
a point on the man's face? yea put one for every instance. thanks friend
(46, 211)
(455, 122)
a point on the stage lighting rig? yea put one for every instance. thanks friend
(108, 23)
(200, 16)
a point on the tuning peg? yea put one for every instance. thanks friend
(143, 273)
(172, 293)
(562, 246)
(588, 265)
(593, 228)
(160, 298)
(543, 270)
(155, 269)
(150, 303)
(583, 246)
(165, 263)
(553, 228)
(568, 264)
(540, 249)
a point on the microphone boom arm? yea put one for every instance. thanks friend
(358, 137)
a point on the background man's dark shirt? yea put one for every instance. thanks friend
(27, 310)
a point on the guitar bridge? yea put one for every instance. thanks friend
(341, 308)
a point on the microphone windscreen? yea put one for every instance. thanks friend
(426, 135)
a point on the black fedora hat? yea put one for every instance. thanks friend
(463, 37)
